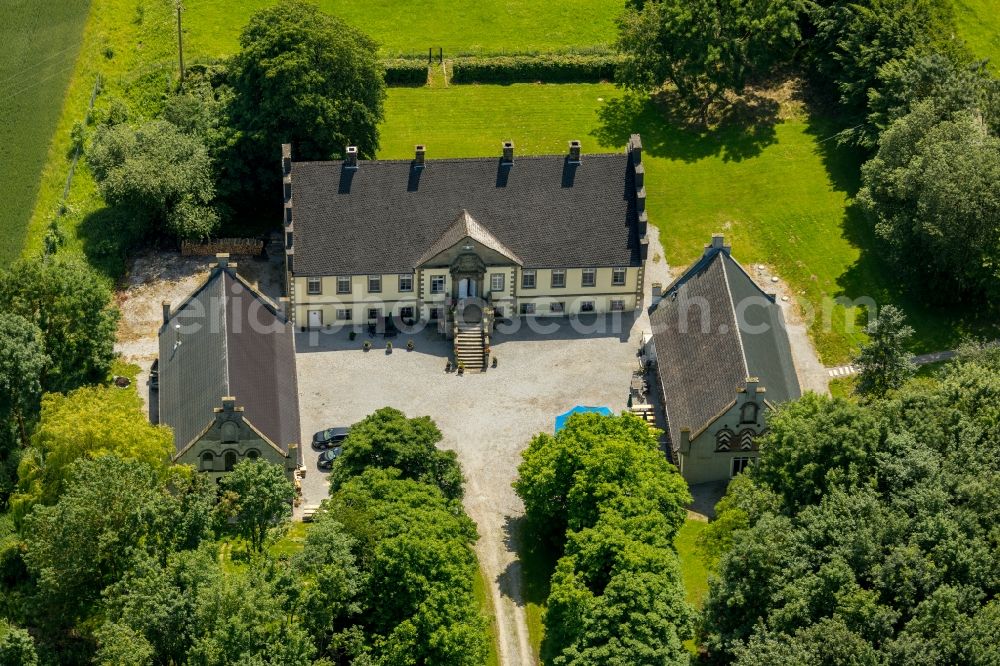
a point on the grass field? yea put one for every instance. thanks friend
(979, 25)
(694, 568)
(37, 56)
(482, 595)
(213, 26)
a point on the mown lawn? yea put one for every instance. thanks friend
(39, 48)
(694, 565)
(979, 25)
(213, 26)
(482, 594)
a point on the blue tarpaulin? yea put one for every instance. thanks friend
(580, 409)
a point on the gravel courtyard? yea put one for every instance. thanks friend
(486, 418)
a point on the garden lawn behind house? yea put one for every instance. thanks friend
(40, 45)
(213, 26)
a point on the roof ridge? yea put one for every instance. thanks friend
(225, 331)
(736, 321)
(474, 158)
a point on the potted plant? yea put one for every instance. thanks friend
(494, 363)
(352, 335)
(461, 367)
(388, 347)
(367, 346)
(410, 345)
(447, 366)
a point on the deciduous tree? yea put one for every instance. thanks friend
(258, 495)
(933, 194)
(301, 77)
(71, 304)
(387, 439)
(89, 422)
(160, 175)
(22, 363)
(705, 48)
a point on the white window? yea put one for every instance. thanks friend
(315, 286)
(406, 313)
(587, 306)
(344, 315)
(406, 282)
(589, 277)
(343, 284)
(437, 313)
(557, 308)
(374, 284)
(558, 278)
(496, 282)
(374, 313)
(527, 308)
(740, 463)
(527, 279)
(617, 305)
(618, 276)
(437, 284)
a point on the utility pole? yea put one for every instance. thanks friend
(180, 42)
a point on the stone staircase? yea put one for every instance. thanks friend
(469, 347)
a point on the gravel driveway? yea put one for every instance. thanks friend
(487, 418)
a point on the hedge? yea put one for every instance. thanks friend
(525, 69)
(405, 72)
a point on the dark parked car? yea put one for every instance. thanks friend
(325, 439)
(327, 457)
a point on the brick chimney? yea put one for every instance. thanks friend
(419, 156)
(166, 311)
(574, 151)
(222, 260)
(286, 159)
(351, 158)
(508, 152)
(635, 149)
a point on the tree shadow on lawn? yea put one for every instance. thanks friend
(743, 129)
(108, 236)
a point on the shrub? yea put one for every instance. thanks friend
(405, 72)
(562, 68)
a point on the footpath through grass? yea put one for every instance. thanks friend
(40, 45)
(213, 26)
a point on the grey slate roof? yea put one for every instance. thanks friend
(464, 227)
(385, 215)
(233, 342)
(704, 353)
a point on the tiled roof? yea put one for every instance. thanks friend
(233, 342)
(714, 328)
(385, 215)
(466, 227)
